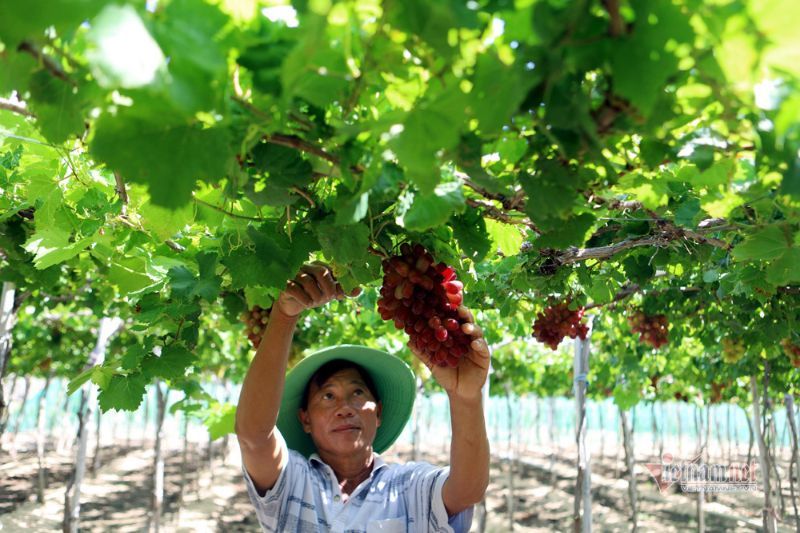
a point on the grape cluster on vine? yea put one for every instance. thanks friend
(792, 351)
(422, 298)
(255, 321)
(559, 321)
(732, 350)
(652, 329)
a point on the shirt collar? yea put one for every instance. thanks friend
(377, 460)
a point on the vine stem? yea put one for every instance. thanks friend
(49, 64)
(632, 289)
(497, 214)
(223, 211)
(121, 191)
(14, 107)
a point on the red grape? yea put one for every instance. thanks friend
(652, 329)
(422, 297)
(559, 321)
(256, 320)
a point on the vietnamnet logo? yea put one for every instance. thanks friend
(696, 476)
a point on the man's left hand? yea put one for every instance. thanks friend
(465, 380)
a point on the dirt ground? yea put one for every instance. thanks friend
(116, 496)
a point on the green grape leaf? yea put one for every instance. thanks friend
(171, 364)
(115, 30)
(220, 420)
(785, 269)
(469, 230)
(571, 232)
(638, 268)
(132, 357)
(57, 106)
(128, 273)
(165, 223)
(431, 210)
(428, 20)
(431, 126)
(642, 62)
(169, 158)
(21, 20)
(352, 209)
(768, 243)
(286, 167)
(626, 395)
(78, 381)
(506, 237)
(51, 246)
(102, 375)
(123, 393)
(686, 212)
(493, 77)
(345, 244)
(272, 260)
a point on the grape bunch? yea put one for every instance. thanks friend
(559, 321)
(422, 298)
(792, 351)
(732, 350)
(716, 392)
(652, 329)
(255, 321)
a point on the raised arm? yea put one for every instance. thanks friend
(469, 445)
(263, 450)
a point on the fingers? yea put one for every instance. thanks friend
(422, 356)
(471, 329)
(465, 314)
(310, 285)
(480, 348)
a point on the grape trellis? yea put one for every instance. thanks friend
(634, 163)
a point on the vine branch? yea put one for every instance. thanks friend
(228, 213)
(49, 64)
(497, 214)
(121, 191)
(616, 27)
(8, 105)
(668, 233)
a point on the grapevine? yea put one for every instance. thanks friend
(559, 321)
(422, 298)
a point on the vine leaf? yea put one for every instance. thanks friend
(123, 393)
(768, 243)
(171, 364)
(785, 269)
(51, 246)
(431, 210)
(58, 108)
(21, 20)
(469, 230)
(186, 285)
(115, 35)
(571, 232)
(220, 420)
(169, 158)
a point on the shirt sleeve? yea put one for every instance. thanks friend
(272, 505)
(427, 505)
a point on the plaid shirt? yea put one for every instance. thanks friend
(395, 498)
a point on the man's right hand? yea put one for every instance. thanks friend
(313, 286)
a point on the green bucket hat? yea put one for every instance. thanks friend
(393, 378)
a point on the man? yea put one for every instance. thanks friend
(348, 404)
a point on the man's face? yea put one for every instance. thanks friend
(342, 415)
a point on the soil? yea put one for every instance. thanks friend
(116, 497)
